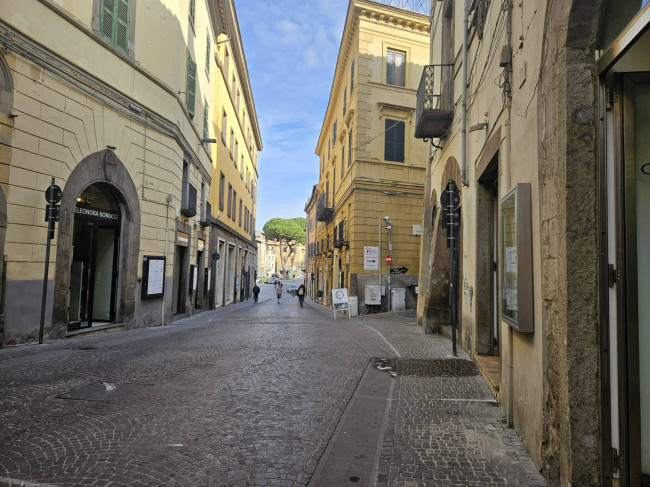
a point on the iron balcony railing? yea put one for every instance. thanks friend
(324, 208)
(340, 236)
(434, 111)
(418, 6)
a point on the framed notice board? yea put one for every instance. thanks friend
(517, 259)
(153, 276)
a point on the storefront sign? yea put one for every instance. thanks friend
(182, 239)
(101, 214)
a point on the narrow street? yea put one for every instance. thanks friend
(254, 394)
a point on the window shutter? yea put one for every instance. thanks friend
(122, 25)
(207, 56)
(192, 8)
(106, 19)
(190, 91)
(399, 142)
(206, 132)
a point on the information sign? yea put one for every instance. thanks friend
(340, 301)
(370, 258)
(153, 276)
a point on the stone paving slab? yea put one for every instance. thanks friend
(246, 395)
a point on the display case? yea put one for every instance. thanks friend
(517, 259)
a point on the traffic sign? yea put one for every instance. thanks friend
(450, 195)
(389, 259)
(53, 193)
(399, 270)
(52, 212)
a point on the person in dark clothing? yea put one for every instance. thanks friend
(256, 292)
(301, 294)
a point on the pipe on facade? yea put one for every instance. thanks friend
(162, 304)
(463, 128)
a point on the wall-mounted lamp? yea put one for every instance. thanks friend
(135, 108)
(208, 141)
(478, 126)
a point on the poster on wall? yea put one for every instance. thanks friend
(153, 276)
(370, 258)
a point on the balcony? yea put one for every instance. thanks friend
(417, 6)
(324, 209)
(434, 112)
(340, 236)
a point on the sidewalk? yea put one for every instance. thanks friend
(444, 426)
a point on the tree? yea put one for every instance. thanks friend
(286, 230)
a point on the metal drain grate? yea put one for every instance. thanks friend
(103, 391)
(436, 368)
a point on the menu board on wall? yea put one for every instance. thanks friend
(153, 276)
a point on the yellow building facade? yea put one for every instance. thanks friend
(234, 171)
(370, 166)
(114, 100)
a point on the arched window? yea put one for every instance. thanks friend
(6, 87)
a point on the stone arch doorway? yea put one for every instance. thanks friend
(100, 213)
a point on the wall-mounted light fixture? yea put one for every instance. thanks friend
(478, 126)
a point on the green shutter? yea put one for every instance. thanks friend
(192, 3)
(114, 22)
(106, 19)
(190, 91)
(122, 25)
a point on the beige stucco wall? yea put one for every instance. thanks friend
(486, 104)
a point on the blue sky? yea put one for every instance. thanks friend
(291, 49)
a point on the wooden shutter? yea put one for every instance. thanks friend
(106, 19)
(207, 56)
(122, 25)
(190, 91)
(394, 141)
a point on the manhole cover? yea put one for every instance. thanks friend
(436, 368)
(102, 391)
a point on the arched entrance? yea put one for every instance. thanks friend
(97, 247)
(94, 268)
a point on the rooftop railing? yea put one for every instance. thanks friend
(418, 6)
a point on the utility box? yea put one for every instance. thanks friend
(373, 294)
(398, 298)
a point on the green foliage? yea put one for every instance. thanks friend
(285, 230)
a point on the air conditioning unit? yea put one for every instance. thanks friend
(188, 202)
(206, 217)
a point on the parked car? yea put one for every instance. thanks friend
(274, 275)
(273, 280)
(292, 289)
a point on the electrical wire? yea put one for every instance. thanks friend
(382, 133)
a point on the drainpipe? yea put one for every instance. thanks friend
(507, 154)
(463, 128)
(162, 304)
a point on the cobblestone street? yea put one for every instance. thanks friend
(250, 394)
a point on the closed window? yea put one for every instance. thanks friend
(234, 205)
(190, 87)
(394, 141)
(114, 23)
(222, 189)
(240, 211)
(352, 78)
(229, 209)
(192, 10)
(224, 127)
(395, 68)
(350, 146)
(207, 54)
(206, 128)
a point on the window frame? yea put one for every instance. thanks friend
(388, 130)
(96, 27)
(190, 94)
(392, 50)
(222, 190)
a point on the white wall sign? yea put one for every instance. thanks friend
(371, 258)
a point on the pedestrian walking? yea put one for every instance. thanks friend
(256, 292)
(301, 294)
(278, 291)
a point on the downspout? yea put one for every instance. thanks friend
(463, 127)
(162, 304)
(507, 154)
